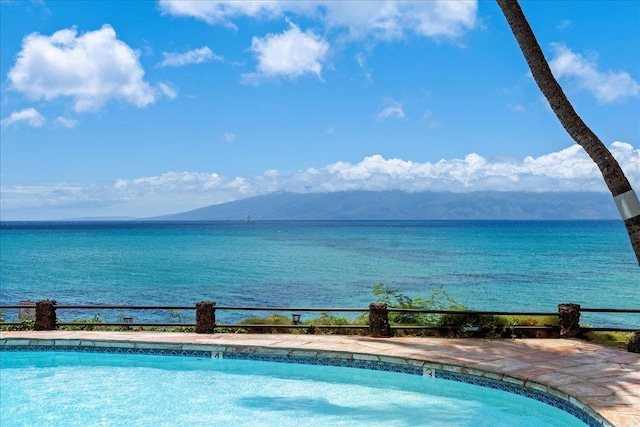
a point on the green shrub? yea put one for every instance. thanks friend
(25, 325)
(438, 299)
(273, 319)
(609, 338)
(329, 319)
(95, 325)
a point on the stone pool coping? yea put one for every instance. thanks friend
(604, 382)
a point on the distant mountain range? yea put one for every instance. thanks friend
(398, 205)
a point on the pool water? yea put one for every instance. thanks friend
(93, 389)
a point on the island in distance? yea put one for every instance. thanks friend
(399, 205)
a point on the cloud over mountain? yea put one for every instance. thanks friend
(566, 170)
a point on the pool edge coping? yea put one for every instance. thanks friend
(284, 354)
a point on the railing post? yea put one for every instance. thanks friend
(45, 315)
(569, 316)
(379, 320)
(205, 317)
(634, 343)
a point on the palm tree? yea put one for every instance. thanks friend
(623, 194)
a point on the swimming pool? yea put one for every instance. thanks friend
(79, 388)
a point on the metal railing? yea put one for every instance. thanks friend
(127, 321)
(609, 310)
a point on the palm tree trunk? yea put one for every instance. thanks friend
(624, 196)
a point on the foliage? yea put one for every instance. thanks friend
(438, 299)
(95, 325)
(329, 319)
(509, 320)
(273, 319)
(25, 325)
(610, 339)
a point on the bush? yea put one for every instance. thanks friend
(274, 319)
(438, 299)
(609, 338)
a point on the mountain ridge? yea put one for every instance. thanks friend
(399, 205)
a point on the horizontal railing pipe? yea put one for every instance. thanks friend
(491, 313)
(123, 307)
(129, 324)
(607, 329)
(305, 309)
(274, 326)
(610, 310)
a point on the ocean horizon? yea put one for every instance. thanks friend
(483, 264)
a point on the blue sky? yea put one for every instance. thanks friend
(155, 107)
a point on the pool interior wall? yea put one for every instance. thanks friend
(536, 391)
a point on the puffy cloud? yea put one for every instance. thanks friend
(290, 54)
(392, 108)
(92, 69)
(196, 56)
(383, 20)
(605, 86)
(30, 116)
(566, 170)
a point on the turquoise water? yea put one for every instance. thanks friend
(489, 265)
(77, 389)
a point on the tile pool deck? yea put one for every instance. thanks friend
(607, 380)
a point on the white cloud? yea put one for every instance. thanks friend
(196, 56)
(431, 122)
(229, 137)
(367, 72)
(388, 20)
(392, 108)
(566, 170)
(517, 108)
(168, 90)
(564, 24)
(65, 122)
(382, 20)
(604, 86)
(291, 54)
(30, 116)
(92, 69)
(221, 12)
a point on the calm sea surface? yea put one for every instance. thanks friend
(491, 265)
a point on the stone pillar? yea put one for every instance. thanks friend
(379, 320)
(634, 343)
(45, 315)
(205, 317)
(569, 315)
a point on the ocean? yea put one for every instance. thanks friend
(484, 265)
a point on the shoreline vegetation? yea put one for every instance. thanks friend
(451, 325)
